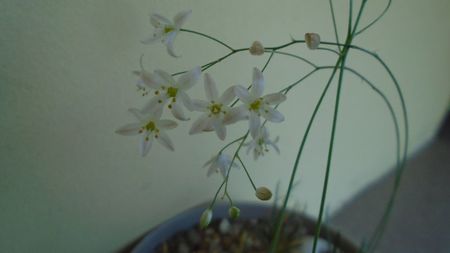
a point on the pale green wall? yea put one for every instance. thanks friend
(69, 184)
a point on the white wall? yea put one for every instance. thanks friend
(69, 184)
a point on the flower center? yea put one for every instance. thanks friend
(150, 126)
(216, 108)
(255, 105)
(168, 29)
(172, 92)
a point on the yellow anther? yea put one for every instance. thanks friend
(150, 126)
(172, 92)
(255, 105)
(216, 108)
(168, 29)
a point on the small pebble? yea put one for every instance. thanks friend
(224, 226)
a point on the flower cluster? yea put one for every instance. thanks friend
(217, 110)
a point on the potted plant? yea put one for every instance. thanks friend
(169, 100)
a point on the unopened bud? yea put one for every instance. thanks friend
(263, 193)
(205, 219)
(312, 40)
(256, 48)
(234, 212)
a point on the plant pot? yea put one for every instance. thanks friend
(190, 218)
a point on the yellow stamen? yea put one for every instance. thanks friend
(216, 108)
(255, 105)
(150, 126)
(168, 29)
(172, 92)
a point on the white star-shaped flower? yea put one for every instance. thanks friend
(151, 127)
(260, 143)
(166, 30)
(166, 89)
(220, 163)
(255, 105)
(215, 109)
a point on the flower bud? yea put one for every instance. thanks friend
(256, 48)
(205, 219)
(263, 193)
(234, 212)
(312, 40)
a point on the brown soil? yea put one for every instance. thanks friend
(241, 236)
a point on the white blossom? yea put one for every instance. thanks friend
(151, 127)
(261, 142)
(166, 30)
(220, 163)
(167, 90)
(255, 105)
(215, 109)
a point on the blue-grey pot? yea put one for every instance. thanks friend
(190, 218)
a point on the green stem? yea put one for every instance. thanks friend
(376, 20)
(298, 57)
(209, 37)
(246, 172)
(331, 146)
(333, 17)
(276, 238)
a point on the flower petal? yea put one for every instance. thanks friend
(129, 129)
(156, 103)
(199, 105)
(157, 20)
(169, 44)
(235, 114)
(178, 113)
(274, 98)
(166, 77)
(271, 143)
(227, 96)
(146, 144)
(188, 79)
(242, 94)
(210, 88)
(181, 18)
(199, 125)
(254, 124)
(150, 80)
(258, 83)
(156, 36)
(220, 129)
(164, 140)
(185, 99)
(167, 124)
(210, 161)
(273, 115)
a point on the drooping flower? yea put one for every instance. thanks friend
(234, 212)
(215, 109)
(260, 143)
(312, 40)
(255, 105)
(220, 163)
(151, 127)
(166, 30)
(257, 48)
(205, 218)
(166, 89)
